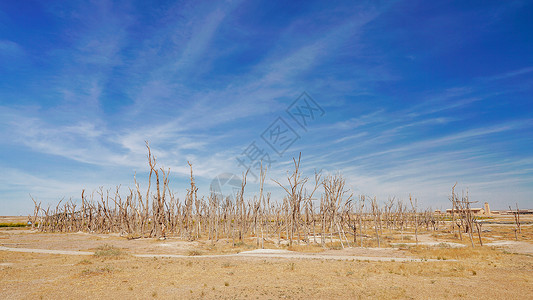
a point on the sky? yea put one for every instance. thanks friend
(401, 98)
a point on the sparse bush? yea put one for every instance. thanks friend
(85, 262)
(335, 246)
(97, 271)
(194, 253)
(444, 245)
(108, 251)
(291, 266)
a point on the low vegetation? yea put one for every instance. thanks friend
(108, 251)
(13, 225)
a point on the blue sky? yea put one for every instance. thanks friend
(416, 95)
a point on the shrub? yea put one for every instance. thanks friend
(194, 253)
(85, 262)
(107, 251)
(97, 271)
(444, 245)
(291, 266)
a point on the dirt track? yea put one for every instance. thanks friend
(266, 253)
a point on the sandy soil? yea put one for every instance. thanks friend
(513, 246)
(13, 219)
(487, 274)
(57, 266)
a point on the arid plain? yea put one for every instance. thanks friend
(37, 265)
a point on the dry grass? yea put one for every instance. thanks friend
(311, 248)
(194, 253)
(97, 271)
(225, 246)
(485, 253)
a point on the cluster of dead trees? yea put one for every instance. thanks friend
(301, 217)
(463, 219)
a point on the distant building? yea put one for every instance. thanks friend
(476, 211)
(487, 209)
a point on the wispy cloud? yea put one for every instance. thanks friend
(510, 74)
(10, 48)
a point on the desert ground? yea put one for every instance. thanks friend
(35, 265)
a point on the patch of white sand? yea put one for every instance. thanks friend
(432, 244)
(267, 251)
(46, 251)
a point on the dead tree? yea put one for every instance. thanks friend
(414, 208)
(516, 215)
(375, 214)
